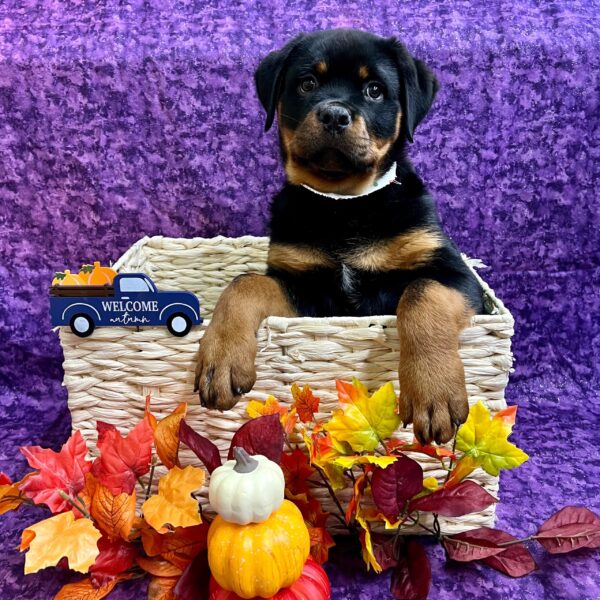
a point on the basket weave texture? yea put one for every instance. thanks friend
(109, 374)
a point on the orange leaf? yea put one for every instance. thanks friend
(174, 504)
(151, 418)
(113, 514)
(61, 535)
(166, 436)
(159, 567)
(289, 421)
(296, 470)
(463, 468)
(84, 590)
(320, 542)
(161, 588)
(10, 494)
(179, 546)
(359, 487)
(305, 403)
(270, 406)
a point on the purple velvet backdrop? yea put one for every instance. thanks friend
(120, 119)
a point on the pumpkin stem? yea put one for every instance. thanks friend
(244, 463)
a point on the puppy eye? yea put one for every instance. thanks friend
(307, 85)
(374, 90)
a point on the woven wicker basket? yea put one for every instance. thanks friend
(109, 374)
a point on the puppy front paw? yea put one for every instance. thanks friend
(433, 396)
(225, 368)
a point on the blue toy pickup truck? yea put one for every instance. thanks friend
(132, 300)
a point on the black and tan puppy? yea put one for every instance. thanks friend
(353, 231)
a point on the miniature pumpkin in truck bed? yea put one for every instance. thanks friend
(96, 274)
(67, 278)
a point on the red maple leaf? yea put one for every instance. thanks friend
(123, 459)
(62, 471)
(296, 470)
(305, 403)
(115, 557)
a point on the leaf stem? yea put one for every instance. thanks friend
(513, 542)
(333, 496)
(453, 453)
(150, 479)
(82, 509)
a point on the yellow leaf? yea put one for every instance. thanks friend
(363, 421)
(485, 440)
(347, 462)
(270, 406)
(366, 543)
(174, 504)
(430, 483)
(61, 535)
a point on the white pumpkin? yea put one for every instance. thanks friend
(248, 489)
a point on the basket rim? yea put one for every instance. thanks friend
(158, 242)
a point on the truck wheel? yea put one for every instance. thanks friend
(179, 324)
(82, 325)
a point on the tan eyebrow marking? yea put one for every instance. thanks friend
(321, 67)
(363, 72)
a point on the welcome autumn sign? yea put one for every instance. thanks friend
(95, 528)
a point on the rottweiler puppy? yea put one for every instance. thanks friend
(354, 230)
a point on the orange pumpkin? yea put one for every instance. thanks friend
(96, 274)
(313, 584)
(67, 278)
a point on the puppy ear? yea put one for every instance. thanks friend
(418, 88)
(269, 78)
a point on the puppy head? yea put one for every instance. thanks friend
(345, 100)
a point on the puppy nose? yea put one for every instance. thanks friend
(334, 117)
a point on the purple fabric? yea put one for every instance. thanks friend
(121, 119)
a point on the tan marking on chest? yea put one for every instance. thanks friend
(407, 251)
(291, 257)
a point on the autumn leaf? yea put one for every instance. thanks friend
(263, 435)
(11, 496)
(322, 453)
(320, 543)
(485, 440)
(471, 545)
(61, 535)
(394, 486)
(194, 581)
(359, 487)
(364, 421)
(256, 408)
(179, 546)
(116, 556)
(463, 468)
(85, 590)
(159, 567)
(383, 550)
(569, 529)
(310, 507)
(166, 436)
(347, 462)
(161, 588)
(411, 577)
(367, 543)
(296, 470)
(430, 484)
(288, 418)
(438, 452)
(515, 560)
(463, 499)
(62, 471)
(123, 459)
(201, 446)
(113, 514)
(174, 505)
(305, 402)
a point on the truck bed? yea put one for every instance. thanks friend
(79, 291)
